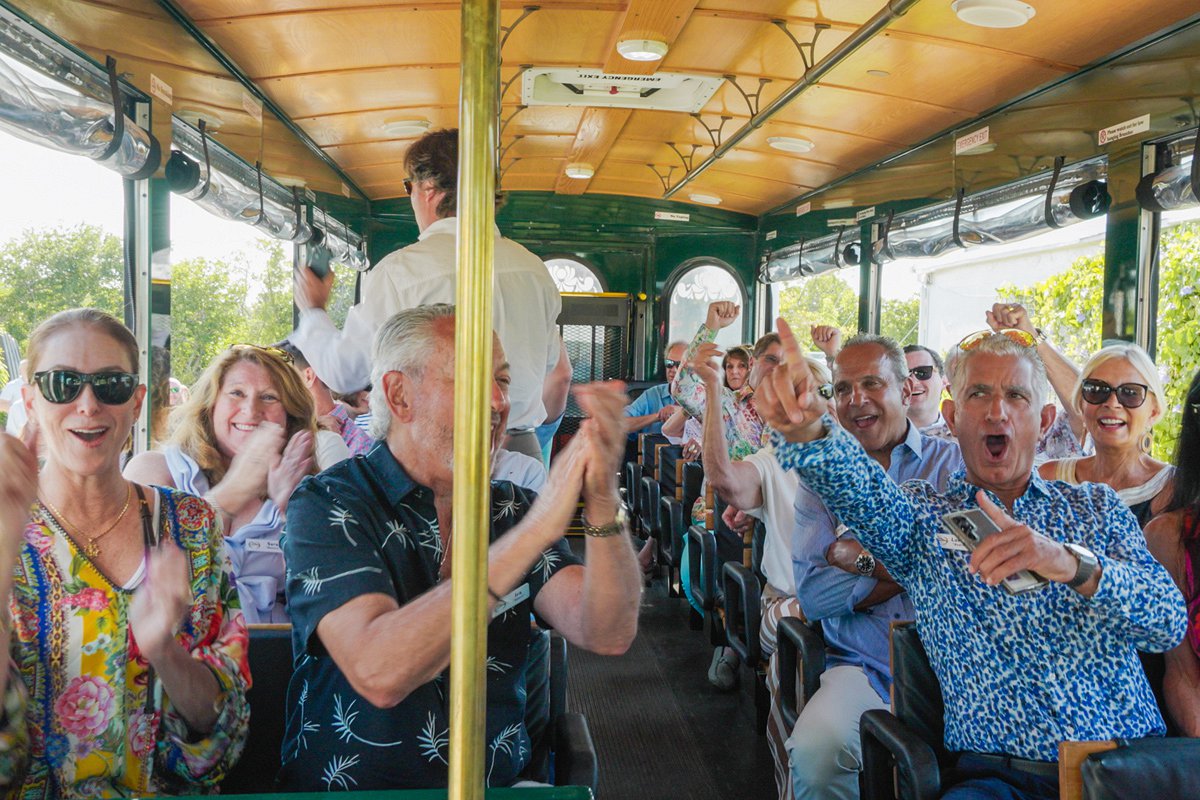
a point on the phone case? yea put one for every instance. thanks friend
(971, 526)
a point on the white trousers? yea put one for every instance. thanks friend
(824, 750)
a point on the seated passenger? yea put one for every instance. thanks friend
(128, 669)
(1019, 673)
(927, 371)
(767, 491)
(368, 548)
(654, 406)
(840, 583)
(735, 367)
(243, 440)
(331, 415)
(1119, 396)
(1174, 539)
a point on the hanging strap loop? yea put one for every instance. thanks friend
(1049, 207)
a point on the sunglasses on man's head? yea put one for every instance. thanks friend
(922, 373)
(60, 386)
(282, 355)
(1130, 395)
(1015, 335)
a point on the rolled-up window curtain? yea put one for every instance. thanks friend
(40, 110)
(833, 251)
(344, 245)
(1002, 215)
(201, 170)
(1177, 183)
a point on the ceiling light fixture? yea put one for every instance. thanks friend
(642, 49)
(878, 73)
(404, 128)
(993, 13)
(790, 144)
(580, 171)
(706, 199)
(830, 205)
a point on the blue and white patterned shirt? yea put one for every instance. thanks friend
(1019, 673)
(829, 594)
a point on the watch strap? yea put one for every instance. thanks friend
(619, 524)
(1088, 564)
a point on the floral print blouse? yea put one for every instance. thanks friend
(87, 717)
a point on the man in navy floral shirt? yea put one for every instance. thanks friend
(368, 551)
(1019, 672)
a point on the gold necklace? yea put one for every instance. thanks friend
(91, 549)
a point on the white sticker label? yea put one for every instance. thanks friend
(1125, 129)
(672, 215)
(511, 599)
(252, 106)
(345, 190)
(841, 223)
(866, 213)
(161, 89)
(263, 546)
(972, 140)
(951, 542)
(803, 209)
(771, 235)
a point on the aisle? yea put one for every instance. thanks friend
(661, 731)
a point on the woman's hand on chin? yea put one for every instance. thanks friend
(289, 469)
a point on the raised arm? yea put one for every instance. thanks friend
(342, 359)
(688, 389)
(1062, 372)
(738, 483)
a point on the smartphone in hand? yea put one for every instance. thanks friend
(971, 526)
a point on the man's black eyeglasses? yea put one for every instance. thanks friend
(670, 364)
(1130, 395)
(60, 386)
(922, 373)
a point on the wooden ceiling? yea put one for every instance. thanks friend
(341, 72)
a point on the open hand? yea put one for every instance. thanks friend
(18, 489)
(161, 602)
(721, 314)
(246, 478)
(1018, 547)
(289, 469)
(787, 398)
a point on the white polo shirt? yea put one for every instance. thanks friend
(779, 495)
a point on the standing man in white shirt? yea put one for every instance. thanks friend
(526, 304)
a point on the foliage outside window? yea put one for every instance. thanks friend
(830, 298)
(695, 290)
(570, 275)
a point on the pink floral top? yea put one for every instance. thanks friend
(96, 722)
(745, 431)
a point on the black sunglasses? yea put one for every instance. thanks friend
(408, 186)
(60, 386)
(1130, 395)
(922, 373)
(825, 390)
(669, 364)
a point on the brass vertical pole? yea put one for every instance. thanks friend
(479, 90)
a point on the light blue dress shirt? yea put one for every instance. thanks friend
(651, 401)
(829, 594)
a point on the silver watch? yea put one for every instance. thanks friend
(1088, 564)
(865, 563)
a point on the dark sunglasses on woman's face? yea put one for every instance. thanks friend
(922, 373)
(64, 385)
(1130, 395)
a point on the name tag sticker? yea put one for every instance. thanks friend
(516, 596)
(950, 542)
(263, 546)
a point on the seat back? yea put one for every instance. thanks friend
(916, 693)
(633, 485)
(270, 652)
(702, 566)
(693, 485)
(670, 529)
(668, 459)
(646, 444)
(800, 650)
(758, 544)
(648, 505)
(743, 612)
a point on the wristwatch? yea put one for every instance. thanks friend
(865, 563)
(1088, 564)
(620, 524)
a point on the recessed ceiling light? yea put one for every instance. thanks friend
(405, 127)
(642, 49)
(986, 147)
(192, 116)
(790, 144)
(993, 13)
(580, 171)
(706, 199)
(878, 73)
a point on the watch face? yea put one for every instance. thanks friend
(865, 563)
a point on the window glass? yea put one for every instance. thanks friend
(61, 228)
(1177, 352)
(1058, 276)
(691, 296)
(573, 276)
(830, 298)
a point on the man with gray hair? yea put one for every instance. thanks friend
(1033, 629)
(368, 550)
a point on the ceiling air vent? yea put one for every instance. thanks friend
(663, 91)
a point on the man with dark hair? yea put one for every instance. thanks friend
(928, 375)
(527, 302)
(331, 415)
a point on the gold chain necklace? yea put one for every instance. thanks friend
(91, 549)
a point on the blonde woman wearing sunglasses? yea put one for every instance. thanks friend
(243, 440)
(128, 666)
(1119, 397)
